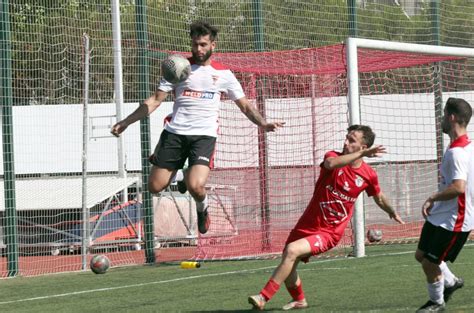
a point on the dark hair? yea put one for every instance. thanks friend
(367, 134)
(460, 108)
(201, 28)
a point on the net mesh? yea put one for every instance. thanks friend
(402, 110)
(261, 183)
(268, 192)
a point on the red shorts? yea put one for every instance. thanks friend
(319, 241)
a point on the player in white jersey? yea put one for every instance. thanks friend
(191, 133)
(449, 212)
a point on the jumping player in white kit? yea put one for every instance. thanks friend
(192, 131)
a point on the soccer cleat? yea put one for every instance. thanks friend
(258, 302)
(181, 184)
(203, 221)
(295, 304)
(448, 291)
(431, 306)
(182, 188)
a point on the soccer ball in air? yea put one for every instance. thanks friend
(176, 69)
(100, 264)
(374, 235)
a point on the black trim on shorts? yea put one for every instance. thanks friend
(439, 244)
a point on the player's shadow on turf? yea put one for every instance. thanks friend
(233, 311)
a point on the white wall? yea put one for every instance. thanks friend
(48, 139)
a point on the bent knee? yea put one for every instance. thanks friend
(155, 187)
(197, 189)
(292, 251)
(419, 255)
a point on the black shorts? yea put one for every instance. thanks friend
(440, 244)
(172, 151)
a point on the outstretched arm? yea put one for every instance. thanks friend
(345, 159)
(382, 201)
(255, 117)
(144, 109)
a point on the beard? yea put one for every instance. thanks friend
(445, 127)
(203, 59)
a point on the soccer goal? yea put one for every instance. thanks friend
(396, 88)
(401, 93)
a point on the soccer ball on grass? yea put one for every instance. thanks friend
(100, 264)
(175, 69)
(374, 235)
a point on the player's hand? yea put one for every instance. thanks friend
(118, 128)
(271, 127)
(426, 208)
(374, 151)
(396, 218)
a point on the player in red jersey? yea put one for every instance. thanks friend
(343, 177)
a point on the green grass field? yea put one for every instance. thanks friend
(387, 280)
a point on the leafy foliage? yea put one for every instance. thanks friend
(47, 35)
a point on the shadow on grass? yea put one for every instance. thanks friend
(237, 311)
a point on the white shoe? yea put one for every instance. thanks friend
(294, 305)
(258, 302)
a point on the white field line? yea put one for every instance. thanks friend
(187, 278)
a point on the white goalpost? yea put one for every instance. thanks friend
(356, 101)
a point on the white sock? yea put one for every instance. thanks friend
(179, 176)
(449, 278)
(201, 206)
(435, 290)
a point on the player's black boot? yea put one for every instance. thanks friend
(448, 291)
(182, 188)
(181, 184)
(431, 306)
(203, 221)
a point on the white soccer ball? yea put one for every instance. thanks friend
(176, 69)
(374, 235)
(100, 264)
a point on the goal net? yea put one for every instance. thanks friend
(265, 181)
(54, 214)
(402, 98)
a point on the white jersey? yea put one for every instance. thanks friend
(458, 163)
(197, 100)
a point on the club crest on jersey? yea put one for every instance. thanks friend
(340, 173)
(214, 79)
(346, 186)
(359, 181)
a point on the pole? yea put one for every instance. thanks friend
(437, 83)
(352, 12)
(354, 116)
(143, 83)
(11, 232)
(118, 88)
(262, 138)
(85, 144)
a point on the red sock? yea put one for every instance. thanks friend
(270, 289)
(297, 292)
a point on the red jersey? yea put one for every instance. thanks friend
(334, 196)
